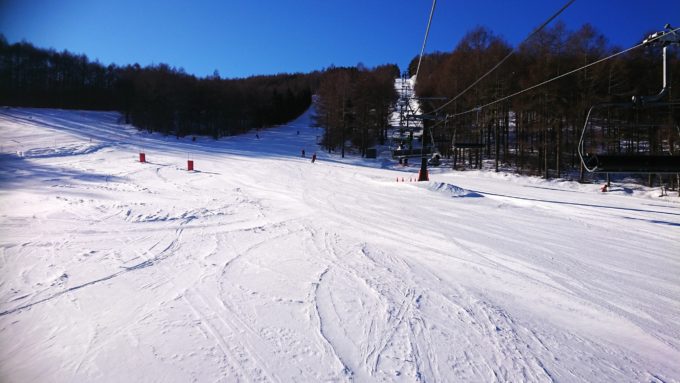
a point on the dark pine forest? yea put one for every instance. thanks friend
(165, 99)
(537, 132)
(157, 98)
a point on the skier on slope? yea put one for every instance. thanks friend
(313, 157)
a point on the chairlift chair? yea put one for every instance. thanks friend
(407, 153)
(467, 138)
(641, 141)
(435, 159)
(614, 144)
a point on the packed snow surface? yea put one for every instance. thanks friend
(262, 266)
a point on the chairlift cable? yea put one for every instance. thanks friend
(558, 77)
(534, 32)
(427, 32)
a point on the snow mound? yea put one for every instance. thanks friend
(452, 190)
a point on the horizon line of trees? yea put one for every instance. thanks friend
(537, 132)
(157, 97)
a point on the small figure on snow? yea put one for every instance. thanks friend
(303, 152)
(313, 157)
(257, 135)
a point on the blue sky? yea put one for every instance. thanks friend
(242, 38)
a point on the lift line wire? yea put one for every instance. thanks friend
(427, 32)
(534, 32)
(671, 104)
(559, 76)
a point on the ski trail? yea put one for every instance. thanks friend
(327, 345)
(265, 267)
(240, 367)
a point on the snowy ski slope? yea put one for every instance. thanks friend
(261, 266)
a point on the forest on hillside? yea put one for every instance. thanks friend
(537, 132)
(353, 103)
(157, 97)
(354, 106)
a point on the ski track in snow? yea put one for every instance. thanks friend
(260, 266)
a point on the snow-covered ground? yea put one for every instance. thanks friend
(261, 266)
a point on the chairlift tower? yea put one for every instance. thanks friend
(409, 118)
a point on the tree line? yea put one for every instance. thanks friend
(157, 97)
(537, 132)
(354, 105)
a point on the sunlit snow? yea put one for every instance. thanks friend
(261, 266)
